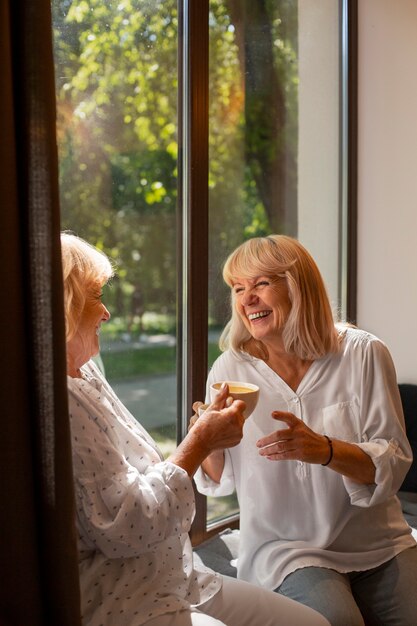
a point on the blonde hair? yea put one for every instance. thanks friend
(83, 265)
(309, 330)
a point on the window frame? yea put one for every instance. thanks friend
(193, 206)
(192, 295)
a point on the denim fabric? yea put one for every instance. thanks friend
(385, 595)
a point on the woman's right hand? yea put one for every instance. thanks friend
(221, 424)
(219, 427)
(219, 405)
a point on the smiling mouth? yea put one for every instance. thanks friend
(258, 315)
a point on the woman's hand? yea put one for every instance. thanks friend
(219, 427)
(222, 400)
(221, 424)
(195, 416)
(299, 442)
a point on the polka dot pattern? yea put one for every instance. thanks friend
(134, 511)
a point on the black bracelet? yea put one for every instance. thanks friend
(331, 450)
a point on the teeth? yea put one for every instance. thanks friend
(97, 330)
(255, 316)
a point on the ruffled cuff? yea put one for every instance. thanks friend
(384, 456)
(209, 487)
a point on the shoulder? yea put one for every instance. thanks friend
(356, 341)
(88, 397)
(229, 362)
(93, 370)
(230, 357)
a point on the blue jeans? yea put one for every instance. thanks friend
(383, 596)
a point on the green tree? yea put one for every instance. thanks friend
(117, 122)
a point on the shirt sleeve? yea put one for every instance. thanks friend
(383, 435)
(209, 487)
(125, 509)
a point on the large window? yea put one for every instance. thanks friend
(117, 89)
(183, 129)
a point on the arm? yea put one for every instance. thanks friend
(124, 509)
(213, 465)
(383, 430)
(373, 465)
(129, 500)
(299, 442)
(350, 461)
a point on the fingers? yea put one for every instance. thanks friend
(279, 451)
(229, 401)
(192, 421)
(235, 407)
(282, 434)
(222, 428)
(221, 424)
(196, 405)
(284, 416)
(221, 397)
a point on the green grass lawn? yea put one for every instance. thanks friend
(149, 361)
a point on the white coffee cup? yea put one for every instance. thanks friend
(239, 390)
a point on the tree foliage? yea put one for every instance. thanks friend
(117, 85)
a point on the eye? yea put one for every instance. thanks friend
(262, 283)
(238, 290)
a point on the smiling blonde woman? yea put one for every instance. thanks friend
(324, 452)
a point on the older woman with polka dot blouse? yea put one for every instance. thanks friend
(134, 509)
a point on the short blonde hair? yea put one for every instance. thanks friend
(309, 330)
(83, 265)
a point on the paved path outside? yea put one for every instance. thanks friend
(152, 401)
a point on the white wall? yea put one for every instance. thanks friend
(318, 135)
(387, 199)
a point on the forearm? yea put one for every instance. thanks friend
(190, 453)
(213, 465)
(349, 460)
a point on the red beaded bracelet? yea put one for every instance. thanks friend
(331, 450)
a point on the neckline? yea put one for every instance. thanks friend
(307, 380)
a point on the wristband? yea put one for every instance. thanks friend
(331, 450)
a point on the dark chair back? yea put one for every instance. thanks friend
(408, 394)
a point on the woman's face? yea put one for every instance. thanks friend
(263, 305)
(85, 342)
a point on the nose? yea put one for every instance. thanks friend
(106, 314)
(248, 298)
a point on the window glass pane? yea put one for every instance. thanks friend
(116, 81)
(274, 138)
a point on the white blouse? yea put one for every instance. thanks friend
(295, 514)
(134, 511)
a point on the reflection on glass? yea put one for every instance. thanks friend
(273, 120)
(116, 82)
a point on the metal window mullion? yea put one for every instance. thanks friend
(348, 158)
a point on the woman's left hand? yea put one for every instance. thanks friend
(195, 416)
(297, 442)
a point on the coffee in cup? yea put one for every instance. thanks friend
(247, 392)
